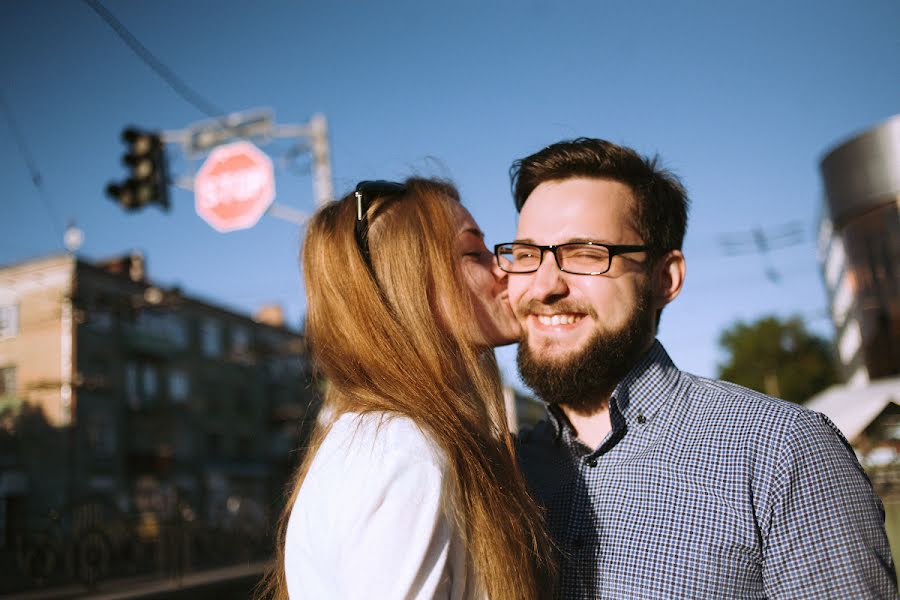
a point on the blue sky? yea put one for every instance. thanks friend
(740, 99)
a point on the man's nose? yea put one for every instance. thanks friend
(548, 281)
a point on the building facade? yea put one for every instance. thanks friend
(859, 251)
(160, 402)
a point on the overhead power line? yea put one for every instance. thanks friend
(762, 242)
(33, 171)
(176, 83)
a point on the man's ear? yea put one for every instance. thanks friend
(669, 277)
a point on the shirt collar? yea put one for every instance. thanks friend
(648, 386)
(639, 396)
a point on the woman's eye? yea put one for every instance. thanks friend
(477, 253)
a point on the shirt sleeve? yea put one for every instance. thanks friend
(398, 536)
(824, 533)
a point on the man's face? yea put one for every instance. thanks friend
(568, 317)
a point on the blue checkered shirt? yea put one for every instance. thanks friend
(705, 489)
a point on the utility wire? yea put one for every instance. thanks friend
(36, 177)
(762, 242)
(177, 84)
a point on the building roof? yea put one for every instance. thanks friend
(42, 259)
(853, 408)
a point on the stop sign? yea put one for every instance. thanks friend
(234, 187)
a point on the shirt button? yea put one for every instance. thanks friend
(592, 462)
(641, 419)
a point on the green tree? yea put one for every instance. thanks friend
(777, 357)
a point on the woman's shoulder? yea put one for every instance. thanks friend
(381, 436)
(373, 504)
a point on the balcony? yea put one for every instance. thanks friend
(156, 332)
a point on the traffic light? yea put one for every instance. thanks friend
(147, 181)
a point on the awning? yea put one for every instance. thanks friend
(854, 408)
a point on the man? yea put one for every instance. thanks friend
(658, 483)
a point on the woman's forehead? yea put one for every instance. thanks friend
(465, 223)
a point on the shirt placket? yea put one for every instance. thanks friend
(580, 544)
(585, 544)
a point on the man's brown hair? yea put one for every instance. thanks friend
(662, 203)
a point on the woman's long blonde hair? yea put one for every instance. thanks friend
(383, 345)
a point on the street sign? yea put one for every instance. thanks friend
(234, 187)
(203, 136)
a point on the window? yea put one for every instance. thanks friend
(289, 367)
(149, 381)
(100, 320)
(100, 314)
(7, 381)
(240, 341)
(176, 330)
(179, 387)
(849, 342)
(163, 324)
(132, 395)
(9, 321)
(211, 337)
(891, 430)
(835, 262)
(142, 384)
(842, 301)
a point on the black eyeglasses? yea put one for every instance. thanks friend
(365, 192)
(577, 258)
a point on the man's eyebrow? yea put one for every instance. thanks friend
(575, 240)
(582, 240)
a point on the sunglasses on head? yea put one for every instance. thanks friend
(365, 192)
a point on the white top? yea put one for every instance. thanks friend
(370, 521)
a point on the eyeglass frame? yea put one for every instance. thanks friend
(613, 249)
(365, 192)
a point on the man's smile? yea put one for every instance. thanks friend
(552, 320)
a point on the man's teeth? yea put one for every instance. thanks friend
(557, 319)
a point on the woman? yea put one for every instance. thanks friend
(409, 488)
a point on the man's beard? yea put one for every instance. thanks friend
(584, 380)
